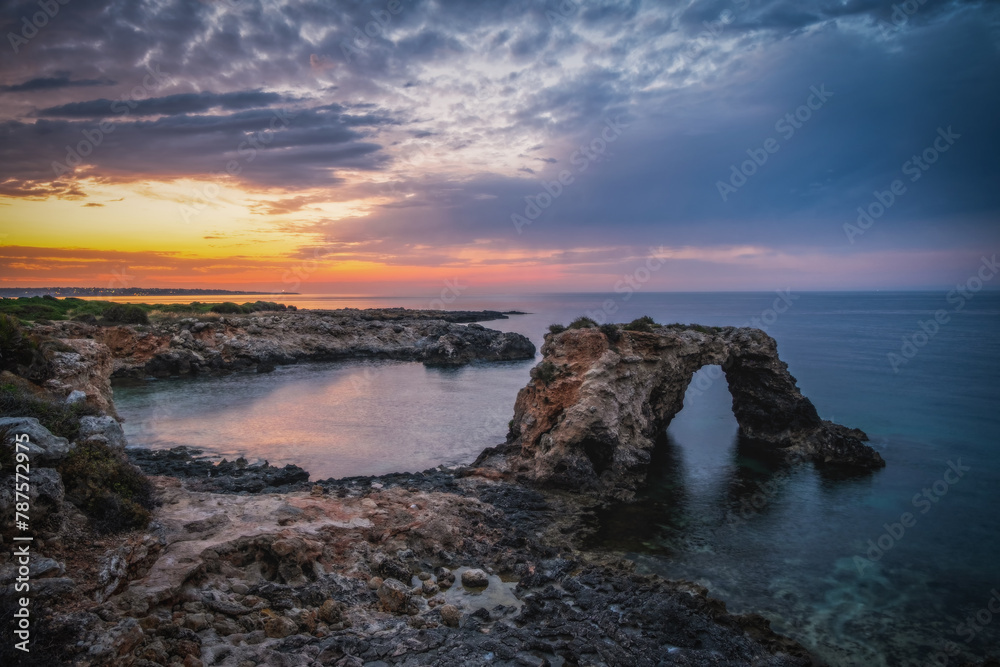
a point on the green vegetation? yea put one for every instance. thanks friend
(556, 328)
(612, 332)
(228, 308)
(61, 419)
(7, 457)
(545, 372)
(125, 313)
(107, 488)
(644, 324)
(583, 323)
(21, 353)
(49, 308)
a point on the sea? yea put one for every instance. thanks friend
(899, 567)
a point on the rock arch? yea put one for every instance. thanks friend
(589, 417)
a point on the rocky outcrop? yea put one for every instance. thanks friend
(374, 573)
(589, 417)
(86, 366)
(190, 346)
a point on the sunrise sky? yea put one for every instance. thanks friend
(274, 145)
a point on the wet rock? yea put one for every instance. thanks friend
(205, 474)
(475, 578)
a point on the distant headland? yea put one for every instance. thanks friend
(10, 292)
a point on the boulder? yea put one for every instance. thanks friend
(450, 615)
(104, 429)
(42, 446)
(475, 578)
(394, 596)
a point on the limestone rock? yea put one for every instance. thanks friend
(42, 446)
(589, 418)
(104, 429)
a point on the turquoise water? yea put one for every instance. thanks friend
(790, 544)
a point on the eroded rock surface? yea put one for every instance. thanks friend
(362, 573)
(588, 419)
(197, 345)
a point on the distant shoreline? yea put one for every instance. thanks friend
(15, 292)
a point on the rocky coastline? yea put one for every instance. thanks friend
(243, 564)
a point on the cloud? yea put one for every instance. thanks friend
(183, 103)
(434, 118)
(53, 83)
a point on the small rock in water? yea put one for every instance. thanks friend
(475, 578)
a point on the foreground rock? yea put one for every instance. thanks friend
(205, 474)
(356, 574)
(588, 420)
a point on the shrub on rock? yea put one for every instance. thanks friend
(125, 313)
(113, 493)
(583, 323)
(228, 308)
(644, 324)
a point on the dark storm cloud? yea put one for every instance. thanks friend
(183, 103)
(279, 148)
(53, 83)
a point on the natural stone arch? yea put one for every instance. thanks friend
(589, 417)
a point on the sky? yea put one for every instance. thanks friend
(392, 147)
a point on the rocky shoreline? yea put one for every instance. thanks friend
(246, 564)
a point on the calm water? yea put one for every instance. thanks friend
(789, 544)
